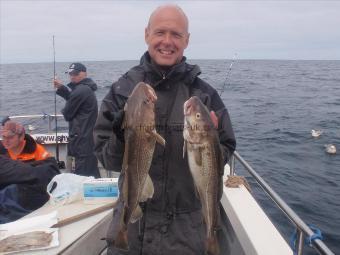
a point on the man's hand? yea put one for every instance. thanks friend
(57, 83)
(214, 119)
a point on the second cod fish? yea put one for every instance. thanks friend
(201, 142)
(140, 140)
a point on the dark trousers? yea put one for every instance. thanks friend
(182, 235)
(87, 166)
(10, 209)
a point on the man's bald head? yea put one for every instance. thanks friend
(170, 8)
(167, 35)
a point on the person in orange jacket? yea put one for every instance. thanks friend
(20, 146)
(26, 168)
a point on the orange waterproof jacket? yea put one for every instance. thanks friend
(31, 152)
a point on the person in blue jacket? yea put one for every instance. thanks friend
(81, 110)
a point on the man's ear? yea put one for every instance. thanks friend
(22, 136)
(146, 35)
(187, 40)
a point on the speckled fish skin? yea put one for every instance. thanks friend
(140, 141)
(201, 143)
(26, 241)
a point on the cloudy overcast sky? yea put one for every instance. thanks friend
(114, 30)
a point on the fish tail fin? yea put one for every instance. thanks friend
(212, 245)
(121, 241)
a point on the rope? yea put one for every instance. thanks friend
(317, 235)
(235, 181)
(308, 239)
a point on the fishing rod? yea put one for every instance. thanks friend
(228, 73)
(55, 109)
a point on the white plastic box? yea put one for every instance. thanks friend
(102, 190)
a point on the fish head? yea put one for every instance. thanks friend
(197, 121)
(140, 106)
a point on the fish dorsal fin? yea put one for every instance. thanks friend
(220, 160)
(136, 215)
(148, 190)
(220, 169)
(124, 122)
(126, 154)
(158, 138)
(184, 148)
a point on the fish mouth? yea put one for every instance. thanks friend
(150, 94)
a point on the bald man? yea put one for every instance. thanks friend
(172, 219)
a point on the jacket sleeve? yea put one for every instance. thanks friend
(225, 129)
(74, 102)
(37, 172)
(108, 148)
(63, 92)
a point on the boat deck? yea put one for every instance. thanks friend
(80, 237)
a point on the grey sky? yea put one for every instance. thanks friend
(114, 30)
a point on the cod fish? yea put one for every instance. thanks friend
(201, 143)
(140, 141)
(26, 241)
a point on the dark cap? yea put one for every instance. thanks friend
(76, 68)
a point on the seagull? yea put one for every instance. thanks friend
(330, 148)
(316, 133)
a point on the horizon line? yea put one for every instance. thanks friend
(188, 59)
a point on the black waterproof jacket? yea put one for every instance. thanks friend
(172, 219)
(81, 112)
(31, 179)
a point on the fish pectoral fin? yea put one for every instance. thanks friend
(136, 215)
(198, 157)
(148, 190)
(158, 138)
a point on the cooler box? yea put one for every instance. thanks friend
(102, 190)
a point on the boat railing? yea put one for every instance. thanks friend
(49, 117)
(303, 229)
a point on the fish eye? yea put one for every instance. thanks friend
(198, 115)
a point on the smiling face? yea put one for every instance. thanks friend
(167, 36)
